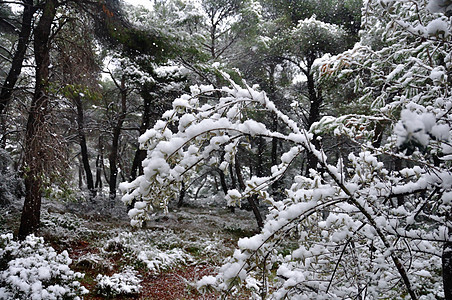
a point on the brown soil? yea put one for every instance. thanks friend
(173, 284)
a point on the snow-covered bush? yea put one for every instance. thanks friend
(149, 250)
(64, 227)
(30, 269)
(64, 222)
(157, 260)
(93, 261)
(374, 224)
(125, 283)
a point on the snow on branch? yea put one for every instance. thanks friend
(355, 224)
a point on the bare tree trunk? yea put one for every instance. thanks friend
(378, 137)
(137, 168)
(260, 153)
(260, 161)
(35, 160)
(180, 202)
(233, 181)
(274, 124)
(397, 167)
(83, 146)
(113, 157)
(223, 184)
(140, 154)
(447, 270)
(251, 199)
(446, 260)
(19, 55)
(98, 184)
(80, 173)
(314, 115)
(233, 184)
(274, 150)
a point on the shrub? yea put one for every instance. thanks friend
(125, 283)
(31, 270)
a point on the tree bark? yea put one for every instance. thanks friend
(274, 153)
(223, 184)
(180, 202)
(447, 269)
(397, 167)
(113, 157)
(314, 115)
(98, 184)
(35, 156)
(140, 155)
(83, 146)
(231, 173)
(251, 199)
(137, 168)
(19, 55)
(260, 157)
(80, 173)
(446, 260)
(378, 137)
(233, 184)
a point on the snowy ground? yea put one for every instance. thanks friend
(161, 261)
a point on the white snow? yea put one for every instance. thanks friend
(438, 27)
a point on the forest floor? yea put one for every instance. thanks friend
(169, 255)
